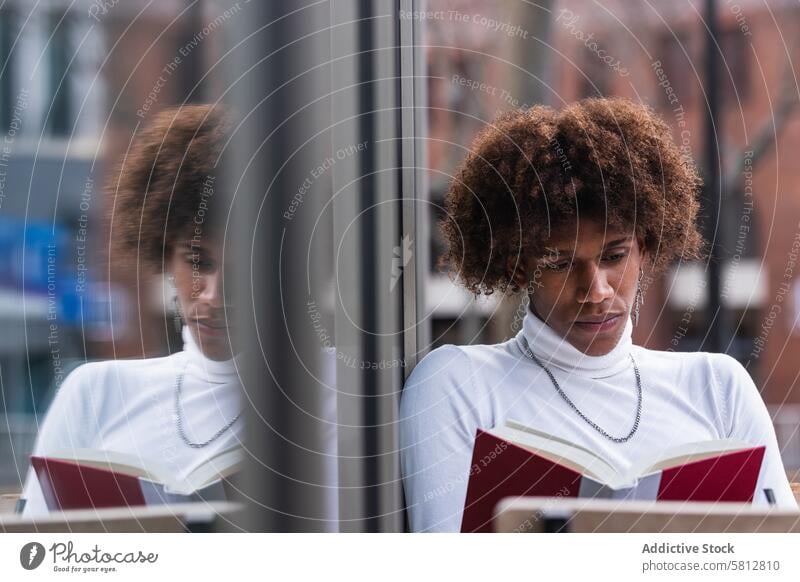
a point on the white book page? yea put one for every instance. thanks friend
(220, 466)
(519, 426)
(686, 453)
(560, 451)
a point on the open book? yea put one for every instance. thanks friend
(89, 478)
(515, 460)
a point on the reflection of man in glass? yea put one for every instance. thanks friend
(182, 409)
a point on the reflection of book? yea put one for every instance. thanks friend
(515, 460)
(88, 478)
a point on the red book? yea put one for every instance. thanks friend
(515, 460)
(87, 479)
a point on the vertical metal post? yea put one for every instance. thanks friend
(192, 89)
(379, 253)
(716, 338)
(533, 54)
(280, 85)
(330, 143)
(414, 187)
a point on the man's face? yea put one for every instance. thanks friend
(198, 273)
(586, 284)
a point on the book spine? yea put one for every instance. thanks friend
(644, 489)
(158, 494)
(647, 487)
(592, 489)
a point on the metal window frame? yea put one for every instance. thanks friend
(372, 89)
(376, 98)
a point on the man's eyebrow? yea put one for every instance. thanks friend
(188, 247)
(619, 241)
(570, 252)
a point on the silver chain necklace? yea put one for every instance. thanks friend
(532, 356)
(179, 416)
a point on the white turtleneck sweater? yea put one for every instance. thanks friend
(128, 406)
(686, 397)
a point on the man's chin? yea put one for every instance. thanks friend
(596, 346)
(219, 356)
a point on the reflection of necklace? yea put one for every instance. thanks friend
(179, 415)
(532, 356)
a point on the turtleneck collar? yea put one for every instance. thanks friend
(554, 350)
(205, 367)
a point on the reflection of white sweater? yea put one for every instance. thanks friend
(128, 406)
(687, 397)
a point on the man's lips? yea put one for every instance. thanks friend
(599, 323)
(211, 327)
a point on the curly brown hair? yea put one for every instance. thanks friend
(537, 169)
(165, 187)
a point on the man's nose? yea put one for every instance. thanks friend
(594, 286)
(211, 291)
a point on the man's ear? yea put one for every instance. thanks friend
(644, 253)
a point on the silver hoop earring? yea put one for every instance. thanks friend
(177, 319)
(639, 299)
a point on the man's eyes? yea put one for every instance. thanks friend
(614, 257)
(195, 259)
(565, 265)
(558, 266)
